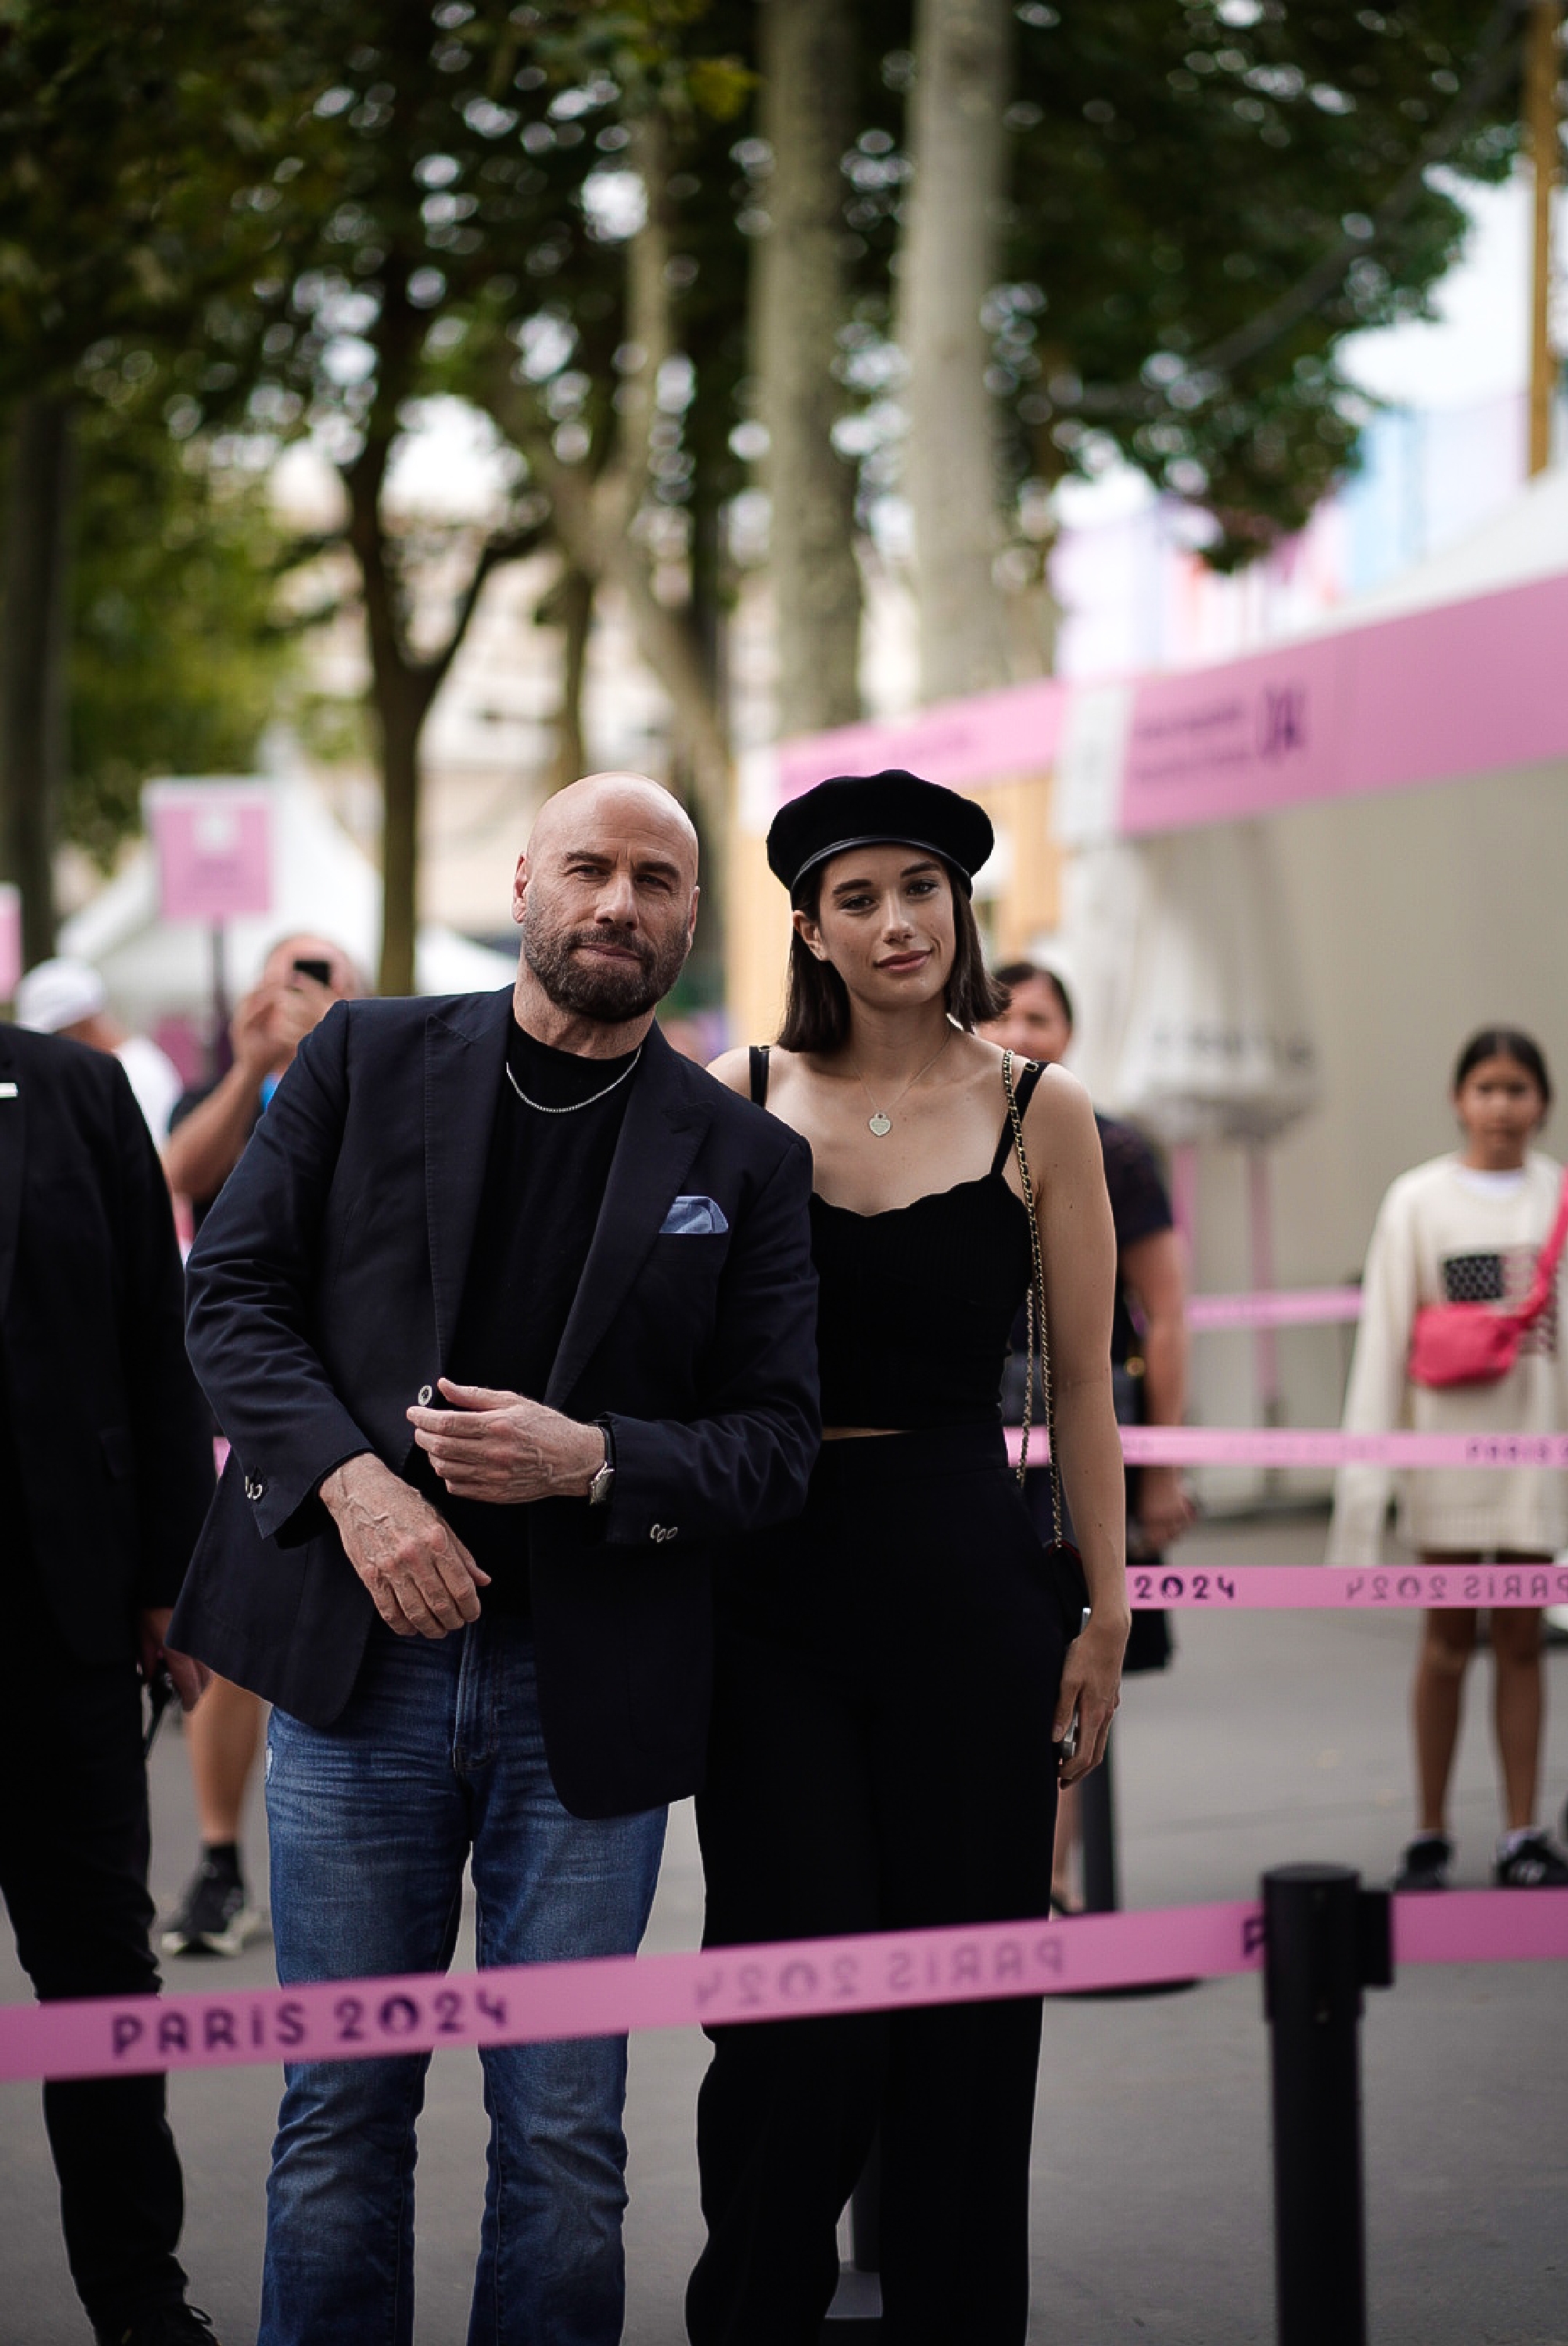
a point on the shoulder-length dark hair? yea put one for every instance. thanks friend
(816, 1001)
(1505, 1043)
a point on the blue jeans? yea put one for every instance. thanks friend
(438, 1758)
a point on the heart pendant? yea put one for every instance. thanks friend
(881, 1125)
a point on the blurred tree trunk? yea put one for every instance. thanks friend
(570, 608)
(404, 683)
(950, 256)
(33, 659)
(595, 520)
(799, 298)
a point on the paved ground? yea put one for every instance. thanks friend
(1276, 1737)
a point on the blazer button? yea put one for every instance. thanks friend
(426, 1394)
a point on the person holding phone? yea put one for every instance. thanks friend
(301, 979)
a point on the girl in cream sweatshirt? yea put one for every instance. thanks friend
(1468, 1228)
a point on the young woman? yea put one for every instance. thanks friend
(1468, 1228)
(896, 1694)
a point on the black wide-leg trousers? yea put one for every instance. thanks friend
(881, 1760)
(73, 1875)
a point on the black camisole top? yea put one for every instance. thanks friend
(917, 1304)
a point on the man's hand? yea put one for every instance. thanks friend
(191, 1677)
(1163, 1510)
(1091, 1687)
(506, 1450)
(421, 1578)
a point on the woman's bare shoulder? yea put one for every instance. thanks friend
(733, 1069)
(1060, 1113)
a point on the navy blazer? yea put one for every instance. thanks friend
(324, 1295)
(113, 1451)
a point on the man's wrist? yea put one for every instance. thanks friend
(337, 1489)
(588, 1453)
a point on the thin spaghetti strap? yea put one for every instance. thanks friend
(759, 1074)
(1024, 1088)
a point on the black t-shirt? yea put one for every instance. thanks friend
(201, 1207)
(1139, 1206)
(545, 1182)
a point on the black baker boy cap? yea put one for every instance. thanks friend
(882, 810)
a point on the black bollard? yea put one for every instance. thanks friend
(1326, 1939)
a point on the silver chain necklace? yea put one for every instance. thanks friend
(541, 1107)
(881, 1120)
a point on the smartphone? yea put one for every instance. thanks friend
(322, 971)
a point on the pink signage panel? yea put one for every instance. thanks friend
(957, 742)
(1470, 688)
(1210, 744)
(10, 940)
(212, 841)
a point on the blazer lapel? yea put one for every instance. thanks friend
(13, 1132)
(660, 1135)
(464, 1060)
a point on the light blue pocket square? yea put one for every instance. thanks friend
(693, 1217)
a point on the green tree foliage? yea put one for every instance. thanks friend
(1208, 197)
(176, 660)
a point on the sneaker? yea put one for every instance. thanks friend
(167, 2325)
(1531, 1864)
(1425, 1864)
(213, 1917)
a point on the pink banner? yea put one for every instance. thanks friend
(345, 2020)
(1339, 1588)
(957, 742)
(10, 940)
(213, 845)
(1281, 1306)
(1278, 1445)
(1466, 688)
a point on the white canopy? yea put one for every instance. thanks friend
(322, 881)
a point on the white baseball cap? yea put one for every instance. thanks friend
(59, 993)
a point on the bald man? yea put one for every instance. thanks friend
(508, 1312)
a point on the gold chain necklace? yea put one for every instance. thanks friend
(881, 1120)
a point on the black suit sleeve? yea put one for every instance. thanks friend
(745, 1462)
(170, 1441)
(252, 1273)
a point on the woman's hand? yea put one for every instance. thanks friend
(1091, 1688)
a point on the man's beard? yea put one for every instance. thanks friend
(609, 991)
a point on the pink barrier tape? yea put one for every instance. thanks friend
(1278, 1446)
(1299, 1589)
(787, 1980)
(1299, 1307)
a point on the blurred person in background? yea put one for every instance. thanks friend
(67, 997)
(1148, 1333)
(301, 979)
(106, 1472)
(1468, 1227)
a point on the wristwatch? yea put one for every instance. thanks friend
(604, 1482)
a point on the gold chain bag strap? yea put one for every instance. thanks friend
(1039, 1336)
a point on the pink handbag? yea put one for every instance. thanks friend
(1477, 1343)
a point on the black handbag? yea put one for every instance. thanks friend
(1062, 1562)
